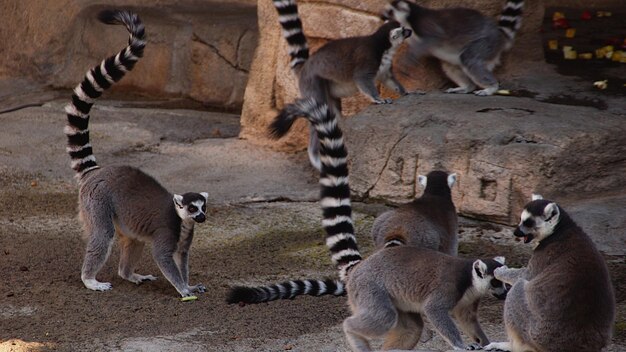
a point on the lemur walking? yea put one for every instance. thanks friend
(340, 68)
(398, 284)
(429, 221)
(563, 300)
(467, 43)
(123, 200)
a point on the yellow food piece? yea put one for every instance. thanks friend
(570, 55)
(570, 32)
(553, 44)
(189, 298)
(585, 56)
(503, 92)
(558, 15)
(601, 84)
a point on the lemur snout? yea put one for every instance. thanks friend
(406, 32)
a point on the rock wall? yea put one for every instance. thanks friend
(196, 49)
(272, 82)
(503, 150)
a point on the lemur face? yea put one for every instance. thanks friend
(397, 10)
(191, 206)
(538, 220)
(397, 35)
(484, 280)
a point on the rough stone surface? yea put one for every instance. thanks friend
(503, 149)
(196, 49)
(272, 84)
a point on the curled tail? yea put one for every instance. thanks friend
(286, 290)
(511, 20)
(336, 209)
(292, 31)
(96, 81)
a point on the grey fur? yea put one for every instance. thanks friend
(467, 43)
(390, 292)
(126, 202)
(563, 300)
(430, 221)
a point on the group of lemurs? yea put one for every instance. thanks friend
(562, 300)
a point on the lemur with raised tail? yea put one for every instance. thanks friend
(467, 43)
(563, 300)
(123, 200)
(340, 68)
(398, 284)
(429, 221)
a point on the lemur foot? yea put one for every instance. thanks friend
(96, 285)
(383, 101)
(473, 347)
(139, 279)
(486, 92)
(498, 347)
(200, 288)
(458, 90)
(415, 92)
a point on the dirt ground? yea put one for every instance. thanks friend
(44, 306)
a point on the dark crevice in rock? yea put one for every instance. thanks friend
(506, 109)
(382, 170)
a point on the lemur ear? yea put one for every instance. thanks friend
(178, 200)
(499, 259)
(403, 6)
(536, 196)
(480, 268)
(451, 180)
(422, 180)
(205, 195)
(551, 211)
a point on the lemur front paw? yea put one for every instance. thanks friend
(383, 101)
(200, 288)
(415, 92)
(473, 347)
(457, 90)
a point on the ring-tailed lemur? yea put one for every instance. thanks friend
(468, 43)
(123, 200)
(338, 69)
(429, 221)
(563, 300)
(390, 293)
(336, 209)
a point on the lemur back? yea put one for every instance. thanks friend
(563, 299)
(123, 200)
(338, 69)
(429, 221)
(467, 43)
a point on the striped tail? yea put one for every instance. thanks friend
(511, 20)
(286, 290)
(336, 209)
(292, 31)
(96, 81)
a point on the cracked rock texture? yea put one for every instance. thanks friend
(503, 150)
(196, 49)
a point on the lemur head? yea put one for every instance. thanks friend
(191, 206)
(394, 33)
(437, 182)
(398, 10)
(538, 220)
(483, 279)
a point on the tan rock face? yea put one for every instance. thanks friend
(272, 84)
(195, 49)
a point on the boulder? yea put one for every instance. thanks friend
(196, 49)
(272, 84)
(502, 148)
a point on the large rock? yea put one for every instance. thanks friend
(503, 149)
(196, 49)
(272, 84)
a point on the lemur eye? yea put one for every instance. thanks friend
(494, 282)
(192, 209)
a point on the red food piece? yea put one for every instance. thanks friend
(586, 15)
(561, 23)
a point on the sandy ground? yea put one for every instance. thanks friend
(264, 226)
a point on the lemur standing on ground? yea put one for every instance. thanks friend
(563, 300)
(429, 221)
(340, 68)
(467, 43)
(123, 200)
(389, 291)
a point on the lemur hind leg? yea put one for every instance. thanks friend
(100, 233)
(456, 75)
(130, 253)
(406, 334)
